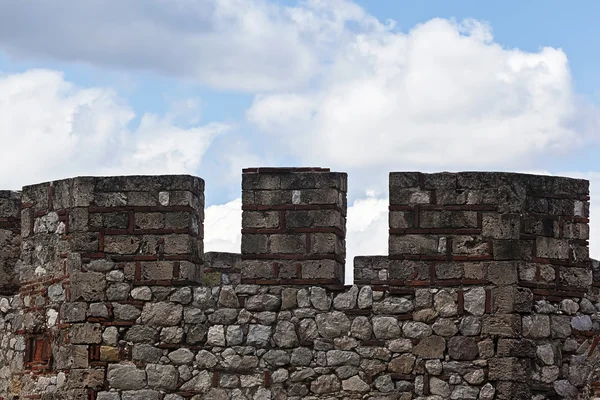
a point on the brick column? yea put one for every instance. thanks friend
(88, 243)
(493, 244)
(10, 240)
(293, 226)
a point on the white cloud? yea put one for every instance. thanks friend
(234, 44)
(442, 96)
(222, 227)
(52, 129)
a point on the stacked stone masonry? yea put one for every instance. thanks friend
(488, 291)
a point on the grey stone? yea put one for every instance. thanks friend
(228, 298)
(141, 293)
(430, 347)
(289, 299)
(365, 297)
(487, 392)
(445, 327)
(400, 345)
(340, 357)
(205, 359)
(464, 392)
(200, 383)
(183, 296)
(171, 334)
(234, 335)
(475, 377)
(285, 335)
(346, 301)
(416, 330)
(126, 312)
(384, 383)
(470, 326)
(474, 301)
(403, 364)
(224, 316)
(88, 286)
(445, 303)
(117, 291)
(162, 314)
(146, 353)
(319, 298)
(145, 394)
(536, 326)
(560, 326)
(263, 302)
(393, 305)
(545, 353)
(439, 387)
(586, 306)
(361, 328)
(162, 376)
(98, 310)
(216, 336)
(258, 335)
(181, 356)
(86, 333)
(141, 334)
(332, 324)
(549, 374)
(569, 306)
(301, 357)
(307, 329)
(355, 384)
(277, 358)
(325, 384)
(386, 328)
(434, 367)
(126, 377)
(565, 389)
(582, 323)
(462, 348)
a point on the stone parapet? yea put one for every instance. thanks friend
(293, 226)
(487, 292)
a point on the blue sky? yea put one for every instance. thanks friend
(209, 87)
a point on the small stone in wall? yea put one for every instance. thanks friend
(319, 298)
(355, 384)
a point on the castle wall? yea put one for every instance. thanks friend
(487, 292)
(10, 240)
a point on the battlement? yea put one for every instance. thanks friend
(487, 291)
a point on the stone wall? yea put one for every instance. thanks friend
(487, 292)
(10, 240)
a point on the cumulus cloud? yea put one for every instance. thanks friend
(52, 129)
(233, 44)
(442, 96)
(223, 226)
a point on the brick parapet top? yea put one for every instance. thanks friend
(283, 170)
(540, 185)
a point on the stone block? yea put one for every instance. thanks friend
(254, 244)
(501, 325)
(415, 244)
(548, 247)
(512, 249)
(507, 369)
(260, 219)
(501, 226)
(87, 286)
(85, 333)
(286, 244)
